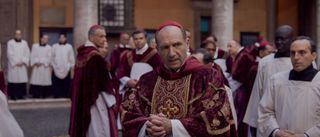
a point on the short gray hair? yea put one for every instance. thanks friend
(93, 29)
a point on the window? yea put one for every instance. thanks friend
(112, 13)
(248, 38)
(53, 34)
(116, 15)
(205, 27)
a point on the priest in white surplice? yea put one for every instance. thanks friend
(290, 105)
(18, 54)
(62, 62)
(268, 66)
(40, 82)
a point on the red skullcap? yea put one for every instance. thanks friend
(96, 26)
(260, 38)
(123, 33)
(264, 43)
(169, 23)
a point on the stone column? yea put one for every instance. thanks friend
(8, 23)
(271, 19)
(24, 19)
(318, 33)
(222, 21)
(85, 15)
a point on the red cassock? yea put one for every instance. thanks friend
(218, 73)
(117, 54)
(244, 69)
(222, 54)
(253, 50)
(90, 78)
(3, 85)
(229, 63)
(150, 57)
(193, 96)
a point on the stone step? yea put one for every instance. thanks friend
(39, 103)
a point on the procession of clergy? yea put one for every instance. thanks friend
(164, 88)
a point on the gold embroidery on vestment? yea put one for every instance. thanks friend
(131, 102)
(215, 87)
(195, 99)
(212, 128)
(211, 102)
(146, 99)
(170, 97)
(123, 115)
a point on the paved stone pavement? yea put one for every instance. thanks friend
(42, 118)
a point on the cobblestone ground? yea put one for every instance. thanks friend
(43, 122)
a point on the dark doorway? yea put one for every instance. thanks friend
(53, 34)
(307, 18)
(205, 27)
(249, 38)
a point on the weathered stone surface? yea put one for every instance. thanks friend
(85, 15)
(222, 21)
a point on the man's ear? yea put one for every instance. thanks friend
(188, 43)
(90, 38)
(314, 55)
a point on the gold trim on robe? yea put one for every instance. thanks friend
(131, 102)
(170, 97)
(212, 127)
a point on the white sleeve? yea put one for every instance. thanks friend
(53, 54)
(124, 80)
(108, 98)
(314, 131)
(33, 58)
(71, 57)
(251, 115)
(275, 132)
(178, 129)
(266, 112)
(233, 110)
(143, 130)
(123, 83)
(26, 52)
(100, 121)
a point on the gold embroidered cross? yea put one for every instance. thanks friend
(169, 109)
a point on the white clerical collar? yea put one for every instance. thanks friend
(258, 58)
(124, 46)
(240, 49)
(44, 45)
(62, 44)
(216, 53)
(89, 44)
(142, 50)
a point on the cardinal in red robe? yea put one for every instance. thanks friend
(94, 91)
(120, 51)
(181, 98)
(244, 69)
(3, 85)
